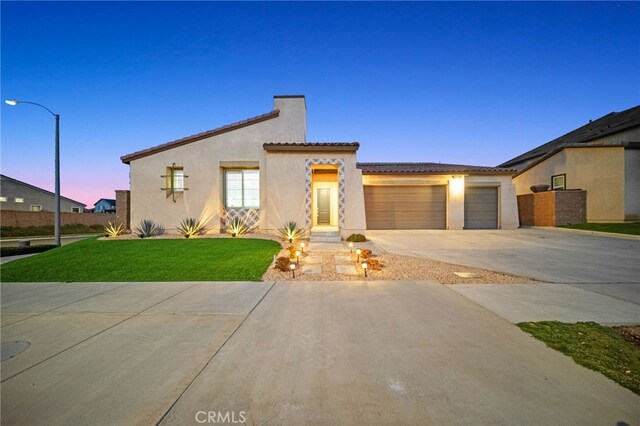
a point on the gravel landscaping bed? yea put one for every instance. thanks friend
(167, 236)
(396, 267)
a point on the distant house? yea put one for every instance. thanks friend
(105, 205)
(21, 196)
(602, 157)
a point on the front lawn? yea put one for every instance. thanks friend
(618, 228)
(206, 259)
(593, 346)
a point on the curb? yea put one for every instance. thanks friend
(586, 232)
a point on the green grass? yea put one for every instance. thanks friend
(210, 259)
(618, 228)
(593, 346)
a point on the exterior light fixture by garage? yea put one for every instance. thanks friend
(457, 184)
(364, 267)
(358, 251)
(292, 266)
(297, 257)
(56, 228)
(351, 247)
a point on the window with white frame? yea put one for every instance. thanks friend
(242, 189)
(3, 199)
(559, 182)
(35, 208)
(75, 210)
(19, 200)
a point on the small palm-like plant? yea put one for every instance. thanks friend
(146, 228)
(237, 227)
(191, 227)
(113, 229)
(290, 232)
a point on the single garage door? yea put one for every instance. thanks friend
(481, 207)
(406, 207)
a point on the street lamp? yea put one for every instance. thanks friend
(14, 102)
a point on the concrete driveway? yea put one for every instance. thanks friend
(283, 353)
(544, 254)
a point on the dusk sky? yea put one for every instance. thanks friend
(466, 83)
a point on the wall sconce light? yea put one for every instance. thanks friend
(457, 184)
(358, 251)
(292, 266)
(364, 267)
(297, 256)
(351, 247)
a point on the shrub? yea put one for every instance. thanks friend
(282, 264)
(292, 251)
(190, 227)
(15, 251)
(237, 227)
(147, 228)
(365, 253)
(356, 238)
(290, 232)
(374, 265)
(113, 229)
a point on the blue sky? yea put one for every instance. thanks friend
(470, 83)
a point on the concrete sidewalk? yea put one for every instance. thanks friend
(606, 304)
(285, 353)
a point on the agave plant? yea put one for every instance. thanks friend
(191, 227)
(237, 227)
(113, 229)
(146, 228)
(291, 232)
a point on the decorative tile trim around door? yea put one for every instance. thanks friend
(308, 211)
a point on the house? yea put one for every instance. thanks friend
(602, 157)
(264, 171)
(21, 196)
(105, 205)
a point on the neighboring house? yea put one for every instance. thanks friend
(104, 205)
(263, 170)
(21, 196)
(601, 157)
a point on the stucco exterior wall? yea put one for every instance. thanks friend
(598, 170)
(507, 208)
(632, 184)
(285, 176)
(202, 162)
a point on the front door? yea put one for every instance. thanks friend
(324, 206)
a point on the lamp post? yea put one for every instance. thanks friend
(56, 227)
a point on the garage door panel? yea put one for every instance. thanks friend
(405, 207)
(481, 208)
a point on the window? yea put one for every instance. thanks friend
(174, 181)
(19, 200)
(36, 208)
(559, 182)
(242, 189)
(3, 199)
(75, 209)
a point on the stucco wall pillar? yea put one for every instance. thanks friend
(455, 213)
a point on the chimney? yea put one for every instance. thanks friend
(293, 111)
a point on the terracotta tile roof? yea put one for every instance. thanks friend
(429, 168)
(311, 146)
(199, 136)
(587, 135)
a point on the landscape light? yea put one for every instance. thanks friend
(351, 247)
(364, 266)
(302, 245)
(292, 266)
(358, 251)
(297, 256)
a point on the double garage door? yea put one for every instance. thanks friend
(425, 207)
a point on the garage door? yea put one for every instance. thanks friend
(481, 207)
(405, 207)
